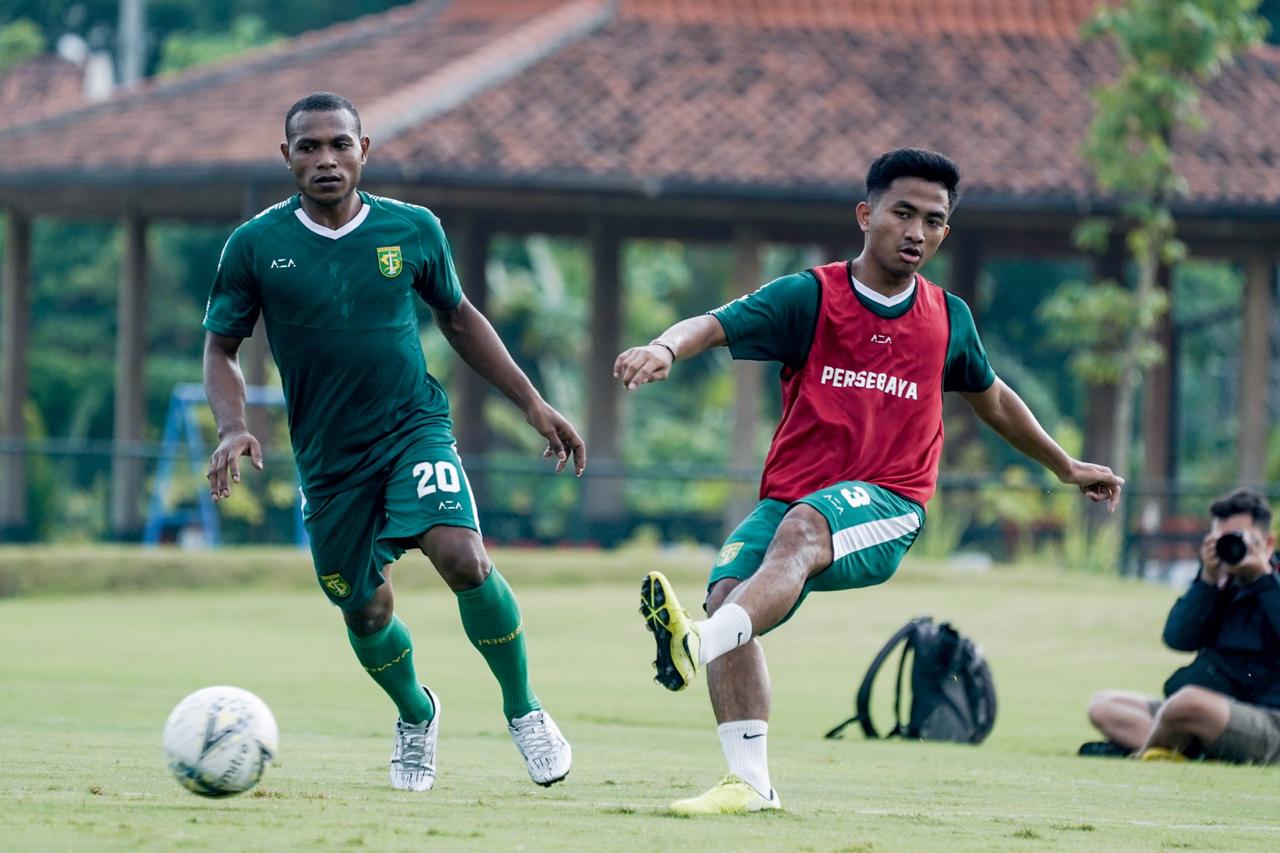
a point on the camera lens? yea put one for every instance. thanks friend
(1231, 547)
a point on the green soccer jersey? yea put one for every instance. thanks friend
(339, 312)
(776, 323)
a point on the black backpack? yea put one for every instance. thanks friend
(953, 696)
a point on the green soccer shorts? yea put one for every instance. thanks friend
(354, 534)
(871, 530)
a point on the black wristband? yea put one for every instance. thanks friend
(667, 347)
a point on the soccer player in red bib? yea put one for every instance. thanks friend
(867, 348)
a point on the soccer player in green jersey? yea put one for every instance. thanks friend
(334, 272)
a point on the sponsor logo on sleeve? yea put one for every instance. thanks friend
(728, 553)
(336, 585)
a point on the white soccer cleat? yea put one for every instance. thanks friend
(413, 763)
(546, 753)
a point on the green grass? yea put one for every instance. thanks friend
(86, 681)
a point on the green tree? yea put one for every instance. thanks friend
(20, 40)
(1168, 49)
(185, 48)
(185, 21)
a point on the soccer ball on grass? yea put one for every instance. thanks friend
(218, 740)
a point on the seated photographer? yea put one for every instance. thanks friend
(1225, 704)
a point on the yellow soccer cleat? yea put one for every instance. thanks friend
(1159, 753)
(729, 796)
(673, 630)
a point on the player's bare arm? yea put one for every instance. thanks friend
(652, 362)
(224, 387)
(472, 336)
(1005, 412)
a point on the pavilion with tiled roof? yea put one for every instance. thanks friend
(729, 120)
(38, 88)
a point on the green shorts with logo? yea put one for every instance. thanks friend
(354, 534)
(871, 530)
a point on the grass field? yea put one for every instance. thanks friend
(86, 680)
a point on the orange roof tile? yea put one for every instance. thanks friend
(786, 98)
(668, 103)
(1040, 18)
(233, 111)
(38, 88)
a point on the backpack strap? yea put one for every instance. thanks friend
(862, 706)
(898, 728)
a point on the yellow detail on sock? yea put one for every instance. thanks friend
(374, 670)
(497, 641)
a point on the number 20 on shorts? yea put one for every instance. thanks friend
(445, 475)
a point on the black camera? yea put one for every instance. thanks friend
(1231, 547)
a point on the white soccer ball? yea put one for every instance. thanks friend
(218, 740)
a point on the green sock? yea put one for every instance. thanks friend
(491, 618)
(388, 658)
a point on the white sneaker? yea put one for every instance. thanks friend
(546, 752)
(413, 763)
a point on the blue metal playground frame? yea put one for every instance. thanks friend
(182, 435)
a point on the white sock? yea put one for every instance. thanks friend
(746, 749)
(729, 628)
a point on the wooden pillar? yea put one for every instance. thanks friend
(130, 402)
(604, 504)
(1159, 423)
(253, 355)
(1159, 426)
(748, 379)
(255, 351)
(967, 258)
(13, 373)
(963, 429)
(1173, 356)
(471, 253)
(1100, 403)
(1255, 359)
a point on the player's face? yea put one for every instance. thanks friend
(326, 153)
(906, 224)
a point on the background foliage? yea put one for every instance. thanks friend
(539, 290)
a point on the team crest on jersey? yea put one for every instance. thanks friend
(336, 585)
(727, 553)
(390, 261)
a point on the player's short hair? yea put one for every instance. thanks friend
(1244, 502)
(320, 102)
(913, 163)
